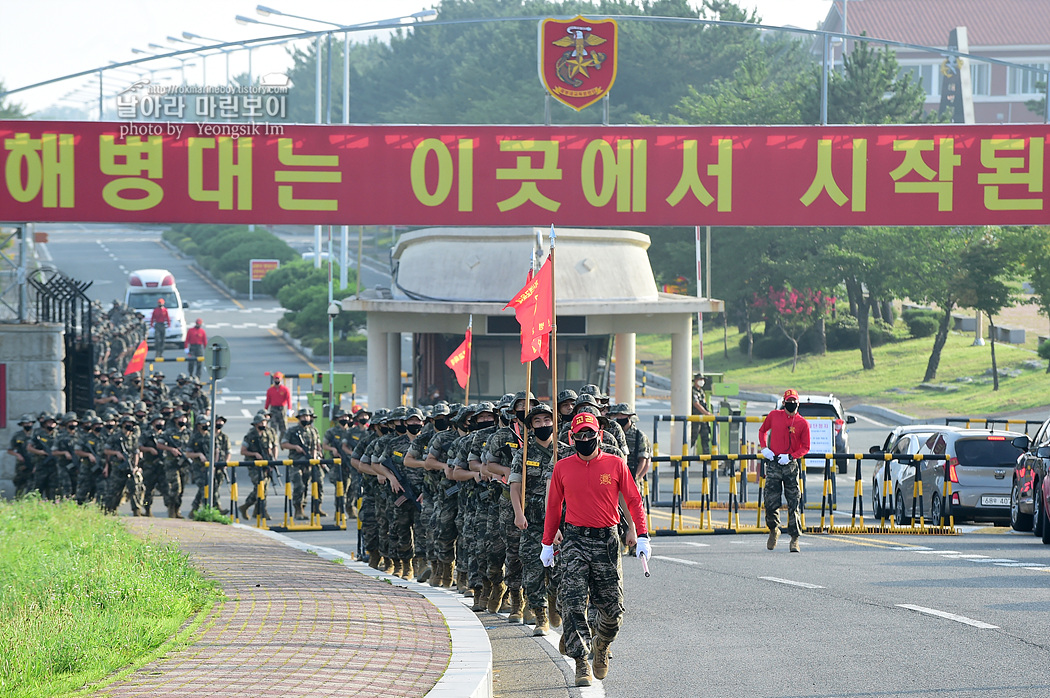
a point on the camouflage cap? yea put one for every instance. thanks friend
(259, 418)
(380, 415)
(520, 395)
(89, 413)
(305, 412)
(413, 412)
(125, 418)
(542, 408)
(621, 408)
(69, 417)
(592, 389)
(182, 378)
(157, 375)
(220, 418)
(167, 405)
(93, 420)
(27, 419)
(586, 399)
(505, 401)
(398, 413)
(440, 410)
(566, 395)
(485, 406)
(140, 406)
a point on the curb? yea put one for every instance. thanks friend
(469, 670)
(885, 413)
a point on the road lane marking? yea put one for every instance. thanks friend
(866, 542)
(995, 560)
(695, 545)
(961, 556)
(804, 585)
(948, 616)
(246, 413)
(679, 560)
(937, 552)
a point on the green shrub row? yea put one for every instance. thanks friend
(843, 333)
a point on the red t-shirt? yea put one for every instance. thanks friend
(591, 492)
(160, 314)
(787, 434)
(196, 335)
(278, 396)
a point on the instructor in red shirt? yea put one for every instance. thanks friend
(589, 484)
(278, 402)
(196, 338)
(788, 441)
(159, 322)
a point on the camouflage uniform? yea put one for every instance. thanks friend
(124, 474)
(504, 562)
(424, 531)
(404, 512)
(152, 466)
(23, 468)
(336, 437)
(446, 507)
(49, 479)
(264, 442)
(466, 515)
(200, 443)
(67, 441)
(537, 580)
(92, 443)
(306, 437)
(366, 514)
(174, 466)
(381, 493)
(782, 478)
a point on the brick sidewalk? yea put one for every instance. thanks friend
(292, 624)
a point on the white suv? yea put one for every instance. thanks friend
(826, 407)
(145, 286)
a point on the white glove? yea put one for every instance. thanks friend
(187, 351)
(768, 454)
(547, 555)
(643, 548)
(783, 459)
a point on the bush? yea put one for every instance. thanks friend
(297, 272)
(842, 333)
(236, 280)
(356, 345)
(1044, 351)
(237, 259)
(922, 325)
(774, 346)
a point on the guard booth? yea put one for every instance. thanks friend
(319, 395)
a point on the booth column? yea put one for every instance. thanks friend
(377, 366)
(625, 358)
(681, 364)
(393, 370)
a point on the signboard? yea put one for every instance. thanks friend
(257, 270)
(590, 176)
(821, 440)
(577, 59)
(218, 358)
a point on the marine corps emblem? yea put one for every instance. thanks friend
(577, 59)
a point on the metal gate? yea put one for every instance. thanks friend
(62, 300)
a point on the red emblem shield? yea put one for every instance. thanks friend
(578, 59)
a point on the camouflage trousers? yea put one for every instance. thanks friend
(403, 520)
(367, 515)
(472, 530)
(428, 522)
(512, 563)
(384, 503)
(87, 482)
(257, 475)
(446, 510)
(463, 505)
(537, 580)
(590, 573)
(173, 483)
(782, 479)
(52, 481)
(152, 479)
(302, 476)
(199, 477)
(119, 482)
(496, 543)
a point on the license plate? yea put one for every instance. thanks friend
(987, 501)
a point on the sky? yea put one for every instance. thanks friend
(46, 39)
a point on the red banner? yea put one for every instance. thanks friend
(459, 361)
(627, 176)
(138, 359)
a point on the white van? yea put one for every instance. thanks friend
(145, 286)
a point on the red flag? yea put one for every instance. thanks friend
(459, 361)
(138, 359)
(532, 309)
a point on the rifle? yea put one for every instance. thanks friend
(408, 491)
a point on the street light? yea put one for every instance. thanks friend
(333, 310)
(204, 57)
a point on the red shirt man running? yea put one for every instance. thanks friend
(159, 322)
(196, 338)
(278, 402)
(788, 441)
(590, 484)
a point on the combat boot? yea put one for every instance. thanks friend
(583, 672)
(552, 609)
(146, 511)
(793, 547)
(388, 565)
(446, 575)
(351, 512)
(435, 573)
(244, 511)
(423, 570)
(397, 567)
(407, 569)
(601, 657)
(461, 581)
(298, 513)
(481, 596)
(771, 542)
(506, 606)
(496, 594)
(517, 604)
(373, 559)
(542, 626)
(528, 616)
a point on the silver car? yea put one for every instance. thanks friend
(901, 441)
(980, 464)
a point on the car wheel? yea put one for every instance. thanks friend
(1037, 508)
(876, 500)
(901, 516)
(1045, 535)
(936, 509)
(1018, 520)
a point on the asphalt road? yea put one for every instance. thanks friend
(866, 615)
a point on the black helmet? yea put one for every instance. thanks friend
(440, 410)
(621, 408)
(259, 417)
(585, 399)
(592, 389)
(305, 412)
(413, 412)
(520, 395)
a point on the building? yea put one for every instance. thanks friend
(1017, 31)
(605, 291)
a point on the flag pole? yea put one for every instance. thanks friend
(554, 343)
(525, 423)
(470, 325)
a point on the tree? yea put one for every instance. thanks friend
(795, 311)
(8, 109)
(988, 266)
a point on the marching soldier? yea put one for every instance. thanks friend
(122, 473)
(174, 443)
(788, 440)
(152, 462)
(64, 450)
(408, 492)
(335, 438)
(260, 443)
(369, 483)
(89, 449)
(51, 481)
(17, 448)
(303, 444)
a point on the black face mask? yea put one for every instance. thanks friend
(441, 424)
(158, 427)
(503, 421)
(180, 425)
(384, 430)
(305, 422)
(414, 428)
(520, 414)
(543, 433)
(49, 427)
(400, 428)
(27, 428)
(129, 427)
(791, 407)
(218, 427)
(586, 448)
(485, 423)
(261, 427)
(344, 422)
(624, 422)
(96, 429)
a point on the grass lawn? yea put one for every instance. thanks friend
(894, 382)
(81, 598)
